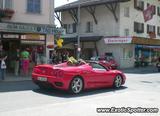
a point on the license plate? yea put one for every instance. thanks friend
(42, 79)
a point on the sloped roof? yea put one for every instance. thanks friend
(85, 4)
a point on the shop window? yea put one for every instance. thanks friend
(89, 27)
(138, 27)
(158, 31)
(139, 5)
(34, 6)
(154, 8)
(126, 32)
(6, 4)
(150, 29)
(126, 11)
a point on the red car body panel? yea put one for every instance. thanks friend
(64, 74)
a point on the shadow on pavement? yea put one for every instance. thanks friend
(12, 86)
(65, 94)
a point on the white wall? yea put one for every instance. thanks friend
(118, 52)
(107, 26)
(21, 15)
(136, 15)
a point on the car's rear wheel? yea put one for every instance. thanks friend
(76, 85)
(117, 81)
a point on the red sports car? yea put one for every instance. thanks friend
(75, 78)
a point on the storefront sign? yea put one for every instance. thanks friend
(33, 37)
(117, 40)
(30, 28)
(15, 36)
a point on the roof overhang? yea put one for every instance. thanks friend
(82, 39)
(87, 3)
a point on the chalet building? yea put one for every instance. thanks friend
(128, 29)
(26, 24)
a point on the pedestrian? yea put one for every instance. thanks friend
(40, 53)
(3, 57)
(16, 61)
(25, 57)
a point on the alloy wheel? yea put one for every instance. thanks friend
(118, 81)
(76, 85)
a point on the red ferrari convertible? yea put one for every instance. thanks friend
(78, 77)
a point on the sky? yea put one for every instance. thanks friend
(59, 3)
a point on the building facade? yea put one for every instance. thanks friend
(26, 24)
(129, 29)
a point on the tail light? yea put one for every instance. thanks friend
(36, 70)
(58, 73)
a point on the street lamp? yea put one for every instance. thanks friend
(78, 31)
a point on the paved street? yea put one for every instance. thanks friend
(23, 98)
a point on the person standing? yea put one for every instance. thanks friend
(25, 56)
(17, 62)
(3, 57)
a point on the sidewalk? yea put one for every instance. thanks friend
(9, 78)
(141, 70)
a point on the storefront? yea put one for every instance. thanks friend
(147, 51)
(131, 51)
(29, 36)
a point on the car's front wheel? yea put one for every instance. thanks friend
(76, 85)
(117, 81)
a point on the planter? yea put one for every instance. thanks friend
(6, 13)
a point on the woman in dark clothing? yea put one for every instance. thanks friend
(3, 57)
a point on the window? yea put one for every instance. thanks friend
(33, 6)
(150, 29)
(89, 27)
(158, 30)
(139, 5)
(70, 28)
(74, 27)
(6, 4)
(126, 11)
(138, 27)
(158, 11)
(126, 32)
(96, 66)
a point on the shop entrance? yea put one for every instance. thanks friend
(10, 46)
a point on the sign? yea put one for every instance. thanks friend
(33, 37)
(10, 36)
(117, 40)
(30, 28)
(145, 41)
(148, 13)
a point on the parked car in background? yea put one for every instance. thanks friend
(77, 77)
(106, 61)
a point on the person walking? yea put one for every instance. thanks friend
(25, 56)
(3, 57)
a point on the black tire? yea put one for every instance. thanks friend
(76, 85)
(117, 81)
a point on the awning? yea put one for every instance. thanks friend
(85, 3)
(146, 41)
(82, 39)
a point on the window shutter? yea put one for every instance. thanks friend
(74, 27)
(135, 27)
(135, 4)
(142, 28)
(147, 28)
